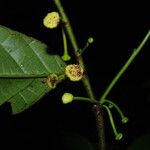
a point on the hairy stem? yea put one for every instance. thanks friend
(124, 68)
(98, 112)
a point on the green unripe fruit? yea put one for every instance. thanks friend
(119, 136)
(124, 120)
(67, 98)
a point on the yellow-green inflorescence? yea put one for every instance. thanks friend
(51, 20)
(74, 72)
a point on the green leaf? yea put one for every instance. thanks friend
(25, 67)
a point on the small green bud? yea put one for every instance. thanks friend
(124, 120)
(110, 106)
(66, 57)
(119, 136)
(90, 40)
(67, 98)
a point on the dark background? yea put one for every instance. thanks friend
(118, 28)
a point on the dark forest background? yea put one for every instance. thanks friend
(118, 28)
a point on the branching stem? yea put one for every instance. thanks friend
(124, 68)
(79, 59)
(75, 46)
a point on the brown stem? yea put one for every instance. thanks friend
(98, 112)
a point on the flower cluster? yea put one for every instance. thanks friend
(74, 72)
(51, 20)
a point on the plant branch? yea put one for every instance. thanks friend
(85, 79)
(73, 41)
(124, 68)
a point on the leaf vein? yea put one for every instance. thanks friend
(38, 56)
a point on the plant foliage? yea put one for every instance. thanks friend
(25, 66)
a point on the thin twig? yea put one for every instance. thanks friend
(124, 68)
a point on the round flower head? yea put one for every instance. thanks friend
(74, 72)
(67, 98)
(51, 20)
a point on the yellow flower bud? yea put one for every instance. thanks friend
(74, 72)
(67, 98)
(51, 20)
